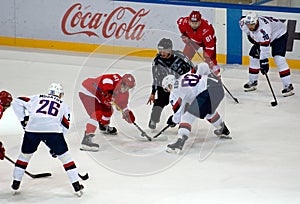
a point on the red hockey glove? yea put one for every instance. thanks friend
(128, 116)
(2, 151)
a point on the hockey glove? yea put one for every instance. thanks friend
(170, 121)
(185, 38)
(264, 66)
(128, 116)
(24, 122)
(2, 151)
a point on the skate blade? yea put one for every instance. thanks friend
(250, 89)
(90, 149)
(288, 94)
(15, 192)
(174, 151)
(106, 133)
(79, 193)
(225, 137)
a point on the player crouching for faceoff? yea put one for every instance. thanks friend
(48, 121)
(194, 96)
(5, 101)
(97, 95)
(265, 32)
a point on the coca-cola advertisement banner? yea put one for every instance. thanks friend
(97, 22)
(104, 22)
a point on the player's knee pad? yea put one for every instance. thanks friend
(254, 52)
(281, 62)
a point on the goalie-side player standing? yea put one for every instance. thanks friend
(48, 120)
(265, 32)
(197, 32)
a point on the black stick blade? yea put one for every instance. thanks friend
(274, 103)
(84, 177)
(41, 175)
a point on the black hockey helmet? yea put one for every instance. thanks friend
(165, 44)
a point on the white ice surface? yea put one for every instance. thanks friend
(260, 165)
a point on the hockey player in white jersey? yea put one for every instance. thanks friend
(194, 96)
(265, 32)
(47, 120)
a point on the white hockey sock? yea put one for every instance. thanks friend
(20, 166)
(69, 166)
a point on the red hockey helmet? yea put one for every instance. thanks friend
(128, 80)
(195, 16)
(5, 98)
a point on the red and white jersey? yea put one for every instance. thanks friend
(1, 111)
(106, 88)
(268, 30)
(47, 113)
(185, 91)
(204, 36)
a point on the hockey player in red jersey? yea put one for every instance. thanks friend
(5, 101)
(2, 151)
(48, 120)
(266, 32)
(97, 95)
(197, 32)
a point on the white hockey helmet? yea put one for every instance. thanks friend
(56, 89)
(168, 83)
(203, 68)
(251, 18)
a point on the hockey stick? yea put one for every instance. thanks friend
(144, 134)
(202, 58)
(160, 132)
(84, 177)
(273, 103)
(40, 175)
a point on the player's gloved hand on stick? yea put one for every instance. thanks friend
(264, 66)
(24, 122)
(185, 38)
(170, 121)
(2, 151)
(129, 116)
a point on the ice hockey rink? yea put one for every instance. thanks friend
(261, 164)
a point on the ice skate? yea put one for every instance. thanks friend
(78, 188)
(87, 144)
(223, 132)
(106, 129)
(177, 146)
(250, 86)
(152, 125)
(288, 91)
(15, 186)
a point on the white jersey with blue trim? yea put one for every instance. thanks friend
(47, 113)
(185, 90)
(268, 30)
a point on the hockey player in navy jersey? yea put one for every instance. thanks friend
(266, 32)
(48, 120)
(194, 96)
